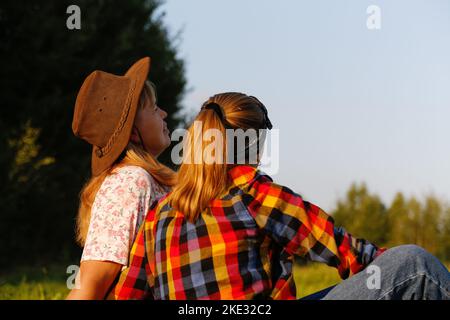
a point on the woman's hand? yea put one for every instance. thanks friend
(95, 279)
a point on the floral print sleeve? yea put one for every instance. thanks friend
(117, 212)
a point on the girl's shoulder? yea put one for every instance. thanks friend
(117, 212)
(133, 175)
(137, 177)
(131, 171)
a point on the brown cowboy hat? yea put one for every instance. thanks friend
(105, 110)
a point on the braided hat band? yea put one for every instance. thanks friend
(102, 151)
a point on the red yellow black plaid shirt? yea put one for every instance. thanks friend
(241, 247)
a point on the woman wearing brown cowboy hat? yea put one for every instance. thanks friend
(119, 117)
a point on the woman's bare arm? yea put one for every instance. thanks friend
(95, 278)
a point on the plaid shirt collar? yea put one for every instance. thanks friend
(242, 174)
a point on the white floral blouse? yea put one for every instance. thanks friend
(117, 212)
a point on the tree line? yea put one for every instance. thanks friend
(406, 220)
(43, 64)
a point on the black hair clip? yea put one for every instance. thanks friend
(267, 123)
(217, 109)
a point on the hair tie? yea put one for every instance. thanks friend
(217, 109)
(267, 123)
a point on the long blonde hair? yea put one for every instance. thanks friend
(133, 155)
(204, 181)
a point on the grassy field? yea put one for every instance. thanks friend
(45, 283)
(50, 283)
(314, 277)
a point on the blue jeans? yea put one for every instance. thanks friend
(406, 272)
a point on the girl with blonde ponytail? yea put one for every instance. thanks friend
(227, 231)
(207, 180)
(120, 117)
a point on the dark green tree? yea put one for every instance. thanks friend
(415, 220)
(363, 215)
(399, 221)
(444, 240)
(43, 63)
(432, 224)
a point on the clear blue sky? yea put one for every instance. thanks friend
(351, 104)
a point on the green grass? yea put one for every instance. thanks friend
(45, 283)
(314, 277)
(49, 283)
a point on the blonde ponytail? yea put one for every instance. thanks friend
(199, 183)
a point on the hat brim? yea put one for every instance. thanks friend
(138, 74)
